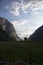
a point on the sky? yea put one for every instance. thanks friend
(25, 15)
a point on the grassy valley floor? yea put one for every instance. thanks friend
(27, 51)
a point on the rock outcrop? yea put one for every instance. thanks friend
(7, 30)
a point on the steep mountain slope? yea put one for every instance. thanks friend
(4, 35)
(8, 29)
(38, 34)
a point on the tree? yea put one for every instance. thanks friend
(25, 39)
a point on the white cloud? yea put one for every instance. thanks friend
(20, 24)
(13, 8)
(20, 27)
(23, 28)
(34, 5)
(37, 5)
(16, 13)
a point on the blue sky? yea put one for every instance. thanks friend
(25, 15)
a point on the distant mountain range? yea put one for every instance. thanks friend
(7, 30)
(37, 35)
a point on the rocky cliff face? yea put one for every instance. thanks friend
(8, 28)
(37, 35)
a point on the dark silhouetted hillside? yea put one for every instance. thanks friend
(4, 35)
(37, 35)
(7, 30)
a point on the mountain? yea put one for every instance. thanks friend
(37, 35)
(4, 35)
(7, 30)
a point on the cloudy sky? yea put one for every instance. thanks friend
(25, 15)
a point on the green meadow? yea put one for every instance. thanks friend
(28, 51)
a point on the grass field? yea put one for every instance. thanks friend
(27, 51)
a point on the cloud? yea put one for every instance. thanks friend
(20, 27)
(23, 28)
(20, 24)
(34, 5)
(37, 5)
(13, 8)
(16, 6)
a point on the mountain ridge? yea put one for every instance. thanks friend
(37, 35)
